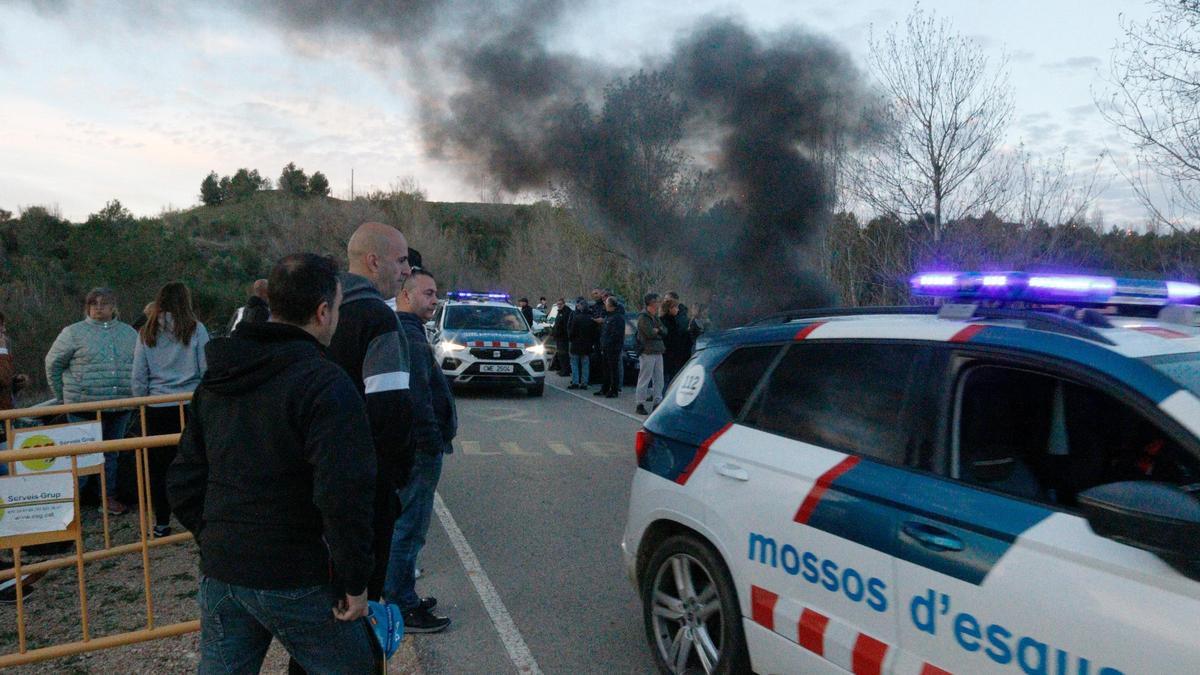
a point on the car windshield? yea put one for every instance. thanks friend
(1183, 368)
(485, 317)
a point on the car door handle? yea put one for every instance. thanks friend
(933, 538)
(733, 471)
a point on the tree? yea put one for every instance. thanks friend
(1154, 101)
(210, 190)
(318, 185)
(293, 181)
(944, 112)
(245, 183)
(113, 213)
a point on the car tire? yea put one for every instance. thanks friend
(684, 632)
(537, 389)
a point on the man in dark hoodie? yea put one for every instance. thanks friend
(435, 423)
(369, 346)
(269, 480)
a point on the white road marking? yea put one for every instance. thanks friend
(515, 449)
(558, 448)
(592, 399)
(518, 651)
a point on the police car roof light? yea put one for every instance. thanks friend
(477, 295)
(1052, 288)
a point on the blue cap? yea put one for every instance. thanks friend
(388, 624)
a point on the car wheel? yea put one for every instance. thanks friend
(690, 610)
(537, 389)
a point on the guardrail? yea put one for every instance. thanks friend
(32, 505)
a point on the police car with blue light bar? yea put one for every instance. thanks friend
(1006, 482)
(481, 338)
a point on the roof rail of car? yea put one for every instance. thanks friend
(1080, 324)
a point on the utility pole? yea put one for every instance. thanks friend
(351, 184)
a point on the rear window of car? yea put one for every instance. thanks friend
(1183, 368)
(739, 373)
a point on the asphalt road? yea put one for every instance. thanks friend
(538, 489)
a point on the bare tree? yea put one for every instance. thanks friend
(1050, 193)
(1154, 99)
(944, 112)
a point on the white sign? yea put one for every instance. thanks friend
(691, 381)
(42, 502)
(62, 434)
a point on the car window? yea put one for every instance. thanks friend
(1183, 368)
(485, 317)
(739, 373)
(1039, 437)
(846, 396)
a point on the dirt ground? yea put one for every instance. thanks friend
(117, 603)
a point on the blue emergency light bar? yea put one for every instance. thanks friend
(1053, 288)
(477, 295)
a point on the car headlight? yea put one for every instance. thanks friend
(448, 346)
(539, 349)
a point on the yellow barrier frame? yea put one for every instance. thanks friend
(139, 446)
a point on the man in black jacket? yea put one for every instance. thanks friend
(269, 480)
(562, 338)
(369, 346)
(612, 343)
(255, 309)
(580, 330)
(435, 422)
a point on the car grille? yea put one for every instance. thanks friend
(496, 353)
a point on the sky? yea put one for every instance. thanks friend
(139, 105)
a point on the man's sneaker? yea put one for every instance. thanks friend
(641, 410)
(421, 620)
(428, 603)
(600, 393)
(162, 531)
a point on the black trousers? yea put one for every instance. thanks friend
(160, 421)
(612, 372)
(387, 510)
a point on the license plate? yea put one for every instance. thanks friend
(495, 368)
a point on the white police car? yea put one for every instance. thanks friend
(992, 486)
(482, 339)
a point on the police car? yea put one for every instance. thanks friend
(482, 339)
(1005, 483)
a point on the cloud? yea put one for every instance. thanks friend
(1075, 63)
(1080, 111)
(1021, 55)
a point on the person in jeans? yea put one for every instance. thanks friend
(275, 478)
(92, 360)
(168, 359)
(435, 422)
(582, 331)
(650, 332)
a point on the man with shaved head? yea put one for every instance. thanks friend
(370, 346)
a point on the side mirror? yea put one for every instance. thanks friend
(1154, 517)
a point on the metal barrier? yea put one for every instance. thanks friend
(73, 531)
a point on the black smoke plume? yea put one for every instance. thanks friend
(720, 153)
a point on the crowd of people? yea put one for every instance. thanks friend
(590, 344)
(310, 451)
(315, 435)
